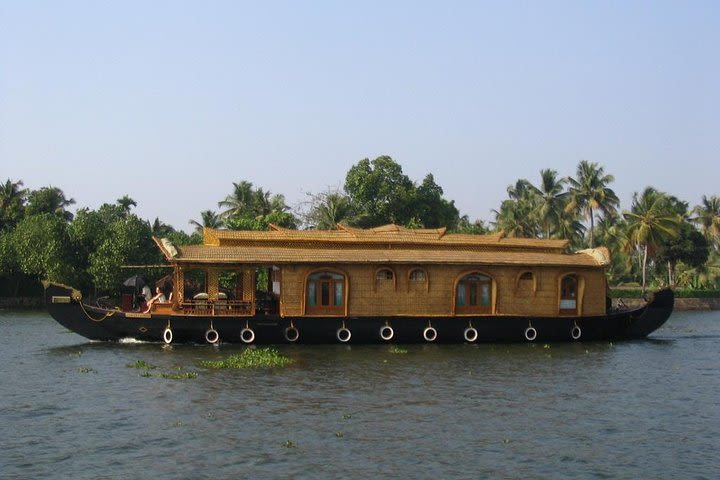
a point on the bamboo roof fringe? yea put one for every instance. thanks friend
(386, 244)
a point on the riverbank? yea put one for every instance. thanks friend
(681, 304)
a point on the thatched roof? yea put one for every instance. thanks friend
(390, 244)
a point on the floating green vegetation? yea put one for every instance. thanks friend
(85, 370)
(146, 367)
(141, 364)
(396, 349)
(251, 358)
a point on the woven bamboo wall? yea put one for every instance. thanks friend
(370, 297)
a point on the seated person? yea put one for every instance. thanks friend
(143, 297)
(147, 293)
(158, 298)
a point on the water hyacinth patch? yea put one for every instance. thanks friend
(141, 364)
(251, 358)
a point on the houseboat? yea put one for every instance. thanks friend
(377, 285)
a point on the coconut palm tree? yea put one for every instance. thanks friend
(517, 216)
(248, 208)
(246, 201)
(12, 203)
(589, 192)
(551, 200)
(126, 203)
(707, 216)
(161, 229)
(240, 202)
(650, 221)
(209, 219)
(610, 232)
(515, 219)
(10, 191)
(49, 200)
(327, 210)
(569, 227)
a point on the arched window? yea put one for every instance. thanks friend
(473, 294)
(384, 280)
(417, 275)
(417, 280)
(325, 293)
(525, 284)
(569, 294)
(384, 274)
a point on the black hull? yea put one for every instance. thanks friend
(107, 325)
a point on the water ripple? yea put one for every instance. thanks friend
(645, 409)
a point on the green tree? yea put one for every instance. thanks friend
(327, 209)
(126, 203)
(707, 216)
(12, 204)
(610, 232)
(262, 222)
(161, 229)
(570, 228)
(379, 193)
(178, 237)
(551, 202)
(589, 192)
(208, 219)
(248, 208)
(651, 220)
(477, 227)
(88, 231)
(431, 208)
(9, 268)
(517, 216)
(43, 248)
(49, 200)
(689, 247)
(128, 241)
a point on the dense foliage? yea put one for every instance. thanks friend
(658, 240)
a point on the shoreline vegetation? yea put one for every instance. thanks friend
(659, 240)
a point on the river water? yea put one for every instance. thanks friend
(640, 409)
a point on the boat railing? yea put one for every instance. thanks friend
(217, 308)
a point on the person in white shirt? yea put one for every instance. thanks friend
(158, 298)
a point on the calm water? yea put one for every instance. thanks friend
(646, 409)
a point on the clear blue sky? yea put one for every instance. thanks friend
(170, 102)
